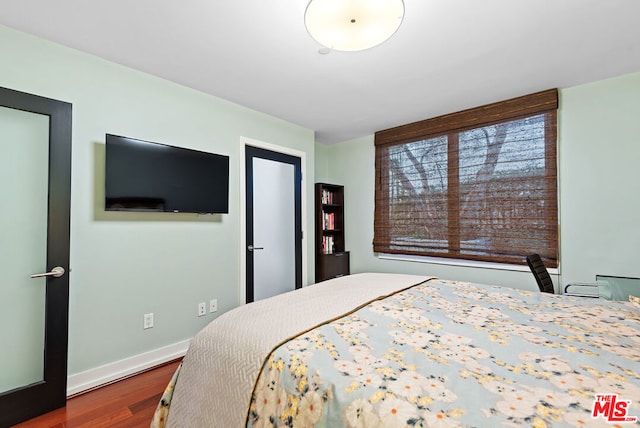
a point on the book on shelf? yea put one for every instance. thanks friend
(328, 221)
(327, 197)
(327, 244)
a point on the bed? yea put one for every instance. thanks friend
(389, 350)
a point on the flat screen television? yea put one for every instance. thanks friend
(145, 176)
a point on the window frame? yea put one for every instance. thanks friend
(544, 102)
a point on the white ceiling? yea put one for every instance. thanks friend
(448, 55)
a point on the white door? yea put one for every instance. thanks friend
(274, 232)
(35, 177)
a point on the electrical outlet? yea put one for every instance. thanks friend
(148, 321)
(213, 305)
(202, 309)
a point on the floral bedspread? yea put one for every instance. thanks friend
(457, 354)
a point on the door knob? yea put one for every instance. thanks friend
(251, 248)
(56, 272)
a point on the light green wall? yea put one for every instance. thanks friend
(599, 173)
(600, 179)
(124, 264)
(322, 163)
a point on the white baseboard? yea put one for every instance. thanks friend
(111, 372)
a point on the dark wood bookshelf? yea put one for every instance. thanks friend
(332, 260)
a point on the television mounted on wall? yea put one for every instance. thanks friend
(146, 176)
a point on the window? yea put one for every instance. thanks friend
(479, 184)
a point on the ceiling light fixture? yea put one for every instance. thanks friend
(353, 25)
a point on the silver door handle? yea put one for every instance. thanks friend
(251, 248)
(56, 272)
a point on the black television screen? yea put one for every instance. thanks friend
(145, 176)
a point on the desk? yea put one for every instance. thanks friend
(617, 287)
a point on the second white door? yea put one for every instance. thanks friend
(274, 248)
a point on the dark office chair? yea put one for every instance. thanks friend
(540, 273)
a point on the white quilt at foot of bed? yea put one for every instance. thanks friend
(223, 362)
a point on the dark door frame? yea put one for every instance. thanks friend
(257, 152)
(51, 393)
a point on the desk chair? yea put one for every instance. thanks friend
(545, 284)
(540, 273)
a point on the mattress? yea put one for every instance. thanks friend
(400, 350)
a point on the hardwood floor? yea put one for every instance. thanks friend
(129, 403)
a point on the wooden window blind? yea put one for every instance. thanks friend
(479, 184)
